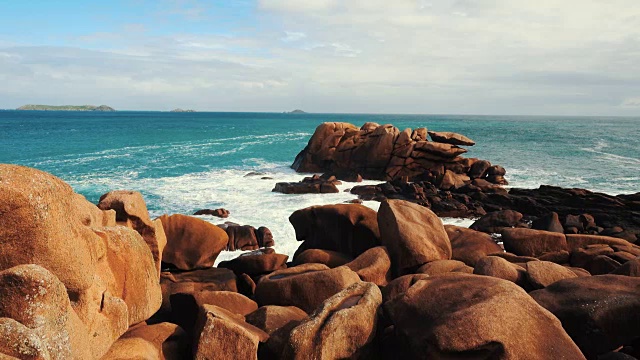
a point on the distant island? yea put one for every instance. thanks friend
(66, 108)
(182, 110)
(296, 111)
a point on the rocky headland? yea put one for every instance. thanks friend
(66, 108)
(105, 281)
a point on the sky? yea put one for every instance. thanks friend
(569, 57)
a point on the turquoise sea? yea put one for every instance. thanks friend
(182, 162)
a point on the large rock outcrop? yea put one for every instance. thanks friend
(383, 152)
(44, 223)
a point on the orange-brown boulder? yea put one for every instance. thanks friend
(558, 257)
(443, 267)
(43, 222)
(220, 334)
(600, 313)
(468, 245)
(499, 268)
(192, 282)
(304, 286)
(347, 228)
(186, 306)
(513, 258)
(164, 341)
(319, 256)
(451, 180)
(277, 321)
(131, 211)
(37, 321)
(271, 317)
(373, 265)
(479, 317)
(232, 301)
(576, 241)
(342, 328)
(256, 263)
(413, 234)
(544, 273)
(137, 284)
(529, 242)
(400, 285)
(192, 243)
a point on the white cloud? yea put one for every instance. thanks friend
(631, 102)
(291, 36)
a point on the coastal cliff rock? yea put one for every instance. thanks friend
(78, 281)
(69, 244)
(383, 152)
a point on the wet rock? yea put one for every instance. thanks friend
(309, 185)
(221, 213)
(246, 237)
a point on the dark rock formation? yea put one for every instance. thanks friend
(310, 185)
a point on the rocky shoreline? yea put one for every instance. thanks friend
(105, 281)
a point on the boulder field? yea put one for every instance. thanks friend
(80, 281)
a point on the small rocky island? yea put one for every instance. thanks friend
(106, 281)
(178, 110)
(296, 111)
(66, 108)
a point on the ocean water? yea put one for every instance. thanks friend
(182, 162)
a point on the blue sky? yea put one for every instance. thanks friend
(575, 57)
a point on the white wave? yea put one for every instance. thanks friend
(601, 145)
